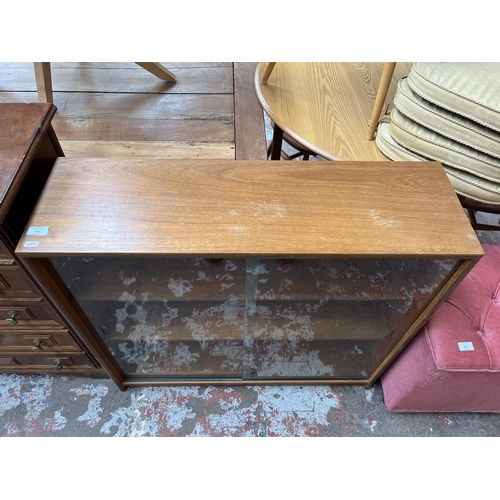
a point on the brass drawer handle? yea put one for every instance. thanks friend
(11, 320)
(58, 365)
(38, 345)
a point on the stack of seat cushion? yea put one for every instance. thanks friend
(449, 112)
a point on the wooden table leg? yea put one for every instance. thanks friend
(43, 82)
(277, 143)
(158, 70)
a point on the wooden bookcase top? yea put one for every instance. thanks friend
(238, 208)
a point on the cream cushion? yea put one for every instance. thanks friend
(463, 182)
(446, 123)
(428, 143)
(469, 89)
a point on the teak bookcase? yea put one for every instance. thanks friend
(247, 272)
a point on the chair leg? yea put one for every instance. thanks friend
(158, 70)
(472, 207)
(278, 134)
(472, 216)
(43, 82)
(383, 88)
(269, 149)
(268, 72)
(276, 143)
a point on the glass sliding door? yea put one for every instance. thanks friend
(251, 318)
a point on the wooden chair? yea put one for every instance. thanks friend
(473, 206)
(300, 150)
(44, 78)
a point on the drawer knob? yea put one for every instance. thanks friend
(38, 345)
(58, 365)
(11, 320)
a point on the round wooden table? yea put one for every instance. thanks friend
(325, 106)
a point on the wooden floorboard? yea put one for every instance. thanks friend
(118, 109)
(172, 66)
(77, 106)
(139, 117)
(83, 106)
(27, 97)
(150, 149)
(144, 130)
(20, 77)
(249, 120)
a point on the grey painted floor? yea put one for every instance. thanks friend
(55, 405)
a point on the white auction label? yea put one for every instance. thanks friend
(38, 231)
(466, 346)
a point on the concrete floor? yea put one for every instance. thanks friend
(55, 405)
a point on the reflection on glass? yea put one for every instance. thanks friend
(267, 318)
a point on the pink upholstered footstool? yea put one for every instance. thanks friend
(453, 363)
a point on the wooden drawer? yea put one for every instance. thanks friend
(5, 253)
(14, 282)
(45, 340)
(24, 311)
(55, 361)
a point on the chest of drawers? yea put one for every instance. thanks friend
(34, 338)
